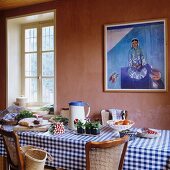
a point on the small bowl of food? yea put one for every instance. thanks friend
(131, 134)
(120, 125)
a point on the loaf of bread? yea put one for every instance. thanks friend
(27, 122)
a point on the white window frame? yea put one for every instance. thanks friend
(39, 77)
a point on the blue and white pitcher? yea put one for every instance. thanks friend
(77, 111)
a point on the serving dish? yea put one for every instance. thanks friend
(119, 125)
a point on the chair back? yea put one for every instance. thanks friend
(114, 114)
(11, 143)
(105, 115)
(106, 155)
(118, 114)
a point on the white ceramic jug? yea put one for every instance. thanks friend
(77, 111)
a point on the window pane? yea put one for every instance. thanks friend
(48, 90)
(48, 38)
(31, 89)
(31, 40)
(31, 64)
(48, 64)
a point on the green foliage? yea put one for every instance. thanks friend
(24, 114)
(48, 108)
(125, 131)
(88, 125)
(95, 125)
(51, 129)
(78, 123)
(59, 118)
(45, 108)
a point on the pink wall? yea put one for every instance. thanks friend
(80, 56)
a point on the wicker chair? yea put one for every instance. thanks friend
(15, 153)
(15, 159)
(106, 155)
(105, 115)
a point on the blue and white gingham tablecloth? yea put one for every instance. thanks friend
(68, 149)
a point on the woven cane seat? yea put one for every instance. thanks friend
(106, 155)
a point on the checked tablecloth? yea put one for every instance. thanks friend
(68, 149)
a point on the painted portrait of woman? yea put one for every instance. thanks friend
(134, 55)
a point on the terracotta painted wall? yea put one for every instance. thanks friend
(80, 56)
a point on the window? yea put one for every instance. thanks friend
(38, 62)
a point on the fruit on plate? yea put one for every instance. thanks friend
(126, 122)
(122, 122)
(36, 122)
(149, 131)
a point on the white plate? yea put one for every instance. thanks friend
(144, 134)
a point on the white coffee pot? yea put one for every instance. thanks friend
(77, 111)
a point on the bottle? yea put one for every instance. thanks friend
(124, 114)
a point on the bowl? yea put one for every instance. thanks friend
(131, 134)
(119, 127)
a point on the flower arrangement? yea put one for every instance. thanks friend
(88, 127)
(88, 124)
(57, 128)
(80, 125)
(95, 129)
(95, 125)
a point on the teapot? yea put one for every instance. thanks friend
(77, 111)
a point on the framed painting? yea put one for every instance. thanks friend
(135, 57)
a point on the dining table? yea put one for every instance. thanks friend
(68, 149)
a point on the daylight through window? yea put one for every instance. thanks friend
(38, 62)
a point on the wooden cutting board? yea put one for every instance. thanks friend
(24, 128)
(39, 128)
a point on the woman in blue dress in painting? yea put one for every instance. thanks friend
(139, 74)
(137, 61)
